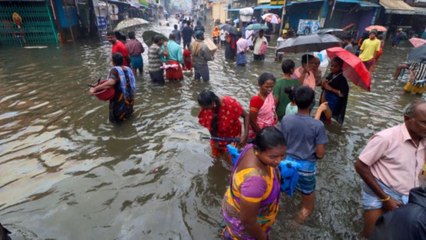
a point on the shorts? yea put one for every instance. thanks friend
(136, 62)
(370, 201)
(306, 182)
(369, 64)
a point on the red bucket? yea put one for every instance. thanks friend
(105, 94)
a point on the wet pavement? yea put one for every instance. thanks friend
(67, 173)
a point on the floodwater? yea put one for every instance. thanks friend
(67, 173)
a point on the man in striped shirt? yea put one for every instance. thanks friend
(155, 57)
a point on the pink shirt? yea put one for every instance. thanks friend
(394, 158)
(242, 45)
(309, 78)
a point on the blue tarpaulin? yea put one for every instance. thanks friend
(303, 1)
(268, 6)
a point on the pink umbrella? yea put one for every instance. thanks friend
(417, 42)
(353, 68)
(377, 28)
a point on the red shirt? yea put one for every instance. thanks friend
(121, 48)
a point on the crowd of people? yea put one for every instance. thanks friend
(280, 125)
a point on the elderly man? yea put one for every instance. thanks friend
(391, 163)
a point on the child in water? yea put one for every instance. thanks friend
(305, 139)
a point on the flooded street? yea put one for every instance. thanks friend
(67, 173)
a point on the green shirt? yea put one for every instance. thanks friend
(279, 92)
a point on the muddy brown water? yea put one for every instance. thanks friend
(67, 173)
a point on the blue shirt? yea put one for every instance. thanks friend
(175, 51)
(302, 134)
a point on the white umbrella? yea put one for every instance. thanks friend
(130, 22)
(272, 18)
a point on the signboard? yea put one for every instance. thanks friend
(259, 2)
(308, 26)
(102, 23)
(280, 2)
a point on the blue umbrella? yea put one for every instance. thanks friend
(256, 26)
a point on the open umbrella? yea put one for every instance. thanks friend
(353, 68)
(271, 18)
(417, 55)
(229, 28)
(377, 28)
(130, 22)
(309, 43)
(256, 26)
(417, 42)
(149, 35)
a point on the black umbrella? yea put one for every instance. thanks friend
(310, 43)
(229, 28)
(417, 55)
(149, 35)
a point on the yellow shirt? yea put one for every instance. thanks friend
(369, 48)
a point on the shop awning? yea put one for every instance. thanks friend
(396, 7)
(303, 1)
(368, 4)
(420, 11)
(268, 6)
(360, 3)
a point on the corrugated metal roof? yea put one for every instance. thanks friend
(396, 7)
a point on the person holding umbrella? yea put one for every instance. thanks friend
(335, 91)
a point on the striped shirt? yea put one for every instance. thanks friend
(419, 70)
(155, 54)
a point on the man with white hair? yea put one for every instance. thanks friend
(390, 165)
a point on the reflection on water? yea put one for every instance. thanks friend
(66, 173)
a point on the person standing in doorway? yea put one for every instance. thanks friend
(135, 49)
(390, 165)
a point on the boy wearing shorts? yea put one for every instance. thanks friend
(306, 138)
